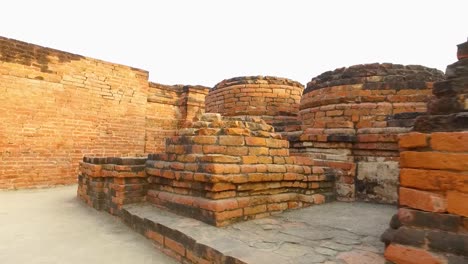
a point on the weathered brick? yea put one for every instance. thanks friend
(413, 140)
(434, 160)
(457, 203)
(409, 255)
(438, 180)
(423, 200)
(450, 141)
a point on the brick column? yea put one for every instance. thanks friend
(432, 222)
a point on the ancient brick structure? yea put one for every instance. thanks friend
(217, 170)
(366, 132)
(109, 183)
(432, 223)
(169, 108)
(275, 100)
(57, 107)
(351, 118)
(225, 170)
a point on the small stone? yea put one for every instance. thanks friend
(325, 251)
(310, 258)
(335, 246)
(361, 257)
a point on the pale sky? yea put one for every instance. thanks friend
(204, 42)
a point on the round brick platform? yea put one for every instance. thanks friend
(276, 100)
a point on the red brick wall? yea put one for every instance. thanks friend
(57, 107)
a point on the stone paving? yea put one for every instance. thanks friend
(340, 233)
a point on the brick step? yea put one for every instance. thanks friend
(190, 240)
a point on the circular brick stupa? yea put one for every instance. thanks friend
(351, 118)
(275, 100)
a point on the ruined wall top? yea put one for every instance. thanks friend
(376, 76)
(257, 80)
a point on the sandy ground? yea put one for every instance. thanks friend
(53, 226)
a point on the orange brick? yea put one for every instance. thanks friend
(434, 160)
(174, 246)
(255, 141)
(437, 180)
(205, 140)
(250, 159)
(237, 131)
(255, 209)
(413, 140)
(155, 236)
(212, 149)
(457, 203)
(450, 141)
(231, 140)
(225, 215)
(399, 254)
(423, 200)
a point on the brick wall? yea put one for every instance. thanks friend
(432, 222)
(351, 118)
(275, 100)
(57, 107)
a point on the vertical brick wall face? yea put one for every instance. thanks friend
(169, 108)
(432, 222)
(351, 118)
(275, 100)
(56, 107)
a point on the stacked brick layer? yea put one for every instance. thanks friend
(225, 170)
(351, 118)
(432, 223)
(275, 100)
(109, 183)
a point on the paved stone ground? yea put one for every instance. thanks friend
(332, 233)
(51, 226)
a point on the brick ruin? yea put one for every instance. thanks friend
(351, 118)
(431, 225)
(384, 133)
(57, 107)
(275, 100)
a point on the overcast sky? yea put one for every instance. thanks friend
(204, 42)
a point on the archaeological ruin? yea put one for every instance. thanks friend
(248, 148)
